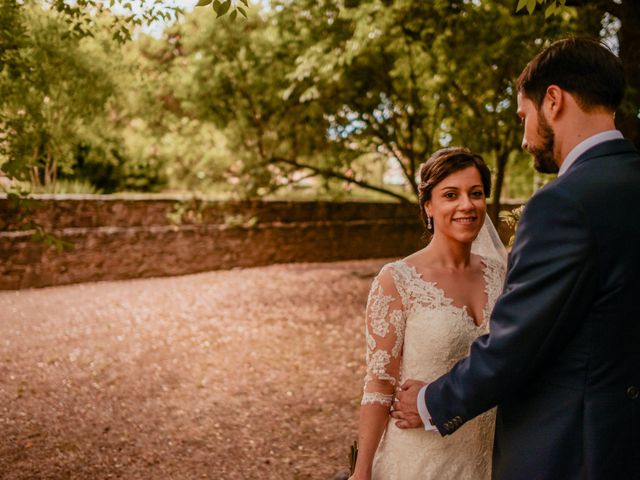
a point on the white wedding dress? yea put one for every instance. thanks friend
(415, 332)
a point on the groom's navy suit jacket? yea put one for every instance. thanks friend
(562, 359)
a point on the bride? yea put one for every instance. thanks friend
(423, 313)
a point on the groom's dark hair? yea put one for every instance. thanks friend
(584, 67)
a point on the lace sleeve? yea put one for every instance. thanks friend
(385, 323)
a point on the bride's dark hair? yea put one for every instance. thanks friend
(443, 163)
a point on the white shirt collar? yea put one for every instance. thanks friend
(585, 145)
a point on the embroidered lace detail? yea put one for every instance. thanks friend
(378, 361)
(397, 320)
(494, 274)
(400, 291)
(384, 336)
(414, 291)
(379, 306)
(374, 397)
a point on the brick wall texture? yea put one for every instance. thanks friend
(110, 238)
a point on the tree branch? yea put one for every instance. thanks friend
(467, 101)
(333, 174)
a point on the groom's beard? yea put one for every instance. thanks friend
(543, 159)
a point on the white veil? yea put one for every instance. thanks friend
(488, 243)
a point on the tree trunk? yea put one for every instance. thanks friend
(48, 168)
(501, 167)
(34, 172)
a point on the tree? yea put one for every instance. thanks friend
(235, 75)
(49, 90)
(83, 17)
(451, 80)
(56, 83)
(313, 89)
(596, 17)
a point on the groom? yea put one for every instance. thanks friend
(562, 359)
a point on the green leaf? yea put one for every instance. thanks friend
(224, 8)
(521, 5)
(221, 7)
(233, 15)
(531, 5)
(242, 11)
(550, 10)
(246, 3)
(203, 3)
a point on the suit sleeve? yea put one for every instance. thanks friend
(549, 287)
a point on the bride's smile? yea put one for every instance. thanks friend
(465, 220)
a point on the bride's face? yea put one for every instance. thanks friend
(458, 205)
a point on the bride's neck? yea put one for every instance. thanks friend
(449, 254)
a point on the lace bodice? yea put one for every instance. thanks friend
(413, 330)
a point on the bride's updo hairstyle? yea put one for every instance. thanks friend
(443, 163)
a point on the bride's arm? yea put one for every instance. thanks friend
(371, 426)
(385, 323)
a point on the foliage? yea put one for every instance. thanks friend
(312, 89)
(553, 7)
(52, 88)
(512, 218)
(83, 17)
(60, 103)
(613, 20)
(222, 7)
(18, 216)
(304, 99)
(234, 76)
(61, 73)
(187, 211)
(81, 187)
(240, 221)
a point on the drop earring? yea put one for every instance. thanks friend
(429, 226)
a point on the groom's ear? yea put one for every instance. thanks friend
(553, 101)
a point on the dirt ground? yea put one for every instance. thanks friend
(241, 374)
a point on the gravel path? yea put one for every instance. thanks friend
(241, 374)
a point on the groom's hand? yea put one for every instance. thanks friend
(405, 408)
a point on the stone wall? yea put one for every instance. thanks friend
(111, 238)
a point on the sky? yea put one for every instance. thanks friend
(157, 28)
